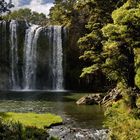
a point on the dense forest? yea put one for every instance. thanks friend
(105, 37)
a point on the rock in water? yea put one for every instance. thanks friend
(90, 99)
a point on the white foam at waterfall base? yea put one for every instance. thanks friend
(39, 91)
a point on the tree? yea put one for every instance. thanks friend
(61, 12)
(122, 38)
(27, 15)
(98, 14)
(85, 20)
(5, 7)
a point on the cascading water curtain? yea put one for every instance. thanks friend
(14, 76)
(56, 72)
(30, 53)
(56, 57)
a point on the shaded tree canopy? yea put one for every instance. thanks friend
(27, 15)
(5, 7)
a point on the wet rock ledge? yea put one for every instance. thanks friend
(68, 133)
(100, 99)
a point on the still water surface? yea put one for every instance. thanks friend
(54, 102)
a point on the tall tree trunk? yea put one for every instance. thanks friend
(131, 78)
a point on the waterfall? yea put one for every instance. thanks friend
(14, 55)
(56, 57)
(30, 52)
(35, 55)
(3, 40)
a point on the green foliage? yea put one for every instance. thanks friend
(27, 15)
(26, 126)
(137, 77)
(137, 65)
(138, 102)
(33, 119)
(128, 13)
(86, 20)
(61, 13)
(16, 131)
(89, 70)
(99, 13)
(121, 119)
(106, 40)
(124, 123)
(122, 37)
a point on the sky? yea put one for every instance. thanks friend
(41, 6)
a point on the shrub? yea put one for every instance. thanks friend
(124, 124)
(16, 131)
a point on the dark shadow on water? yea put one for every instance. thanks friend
(35, 96)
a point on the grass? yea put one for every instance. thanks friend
(32, 119)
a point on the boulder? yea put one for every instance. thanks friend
(90, 99)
